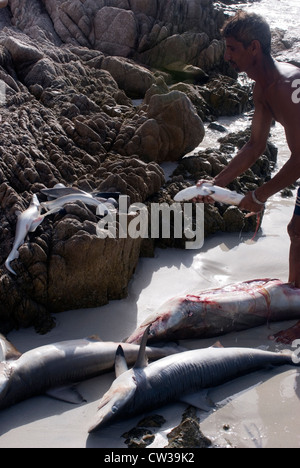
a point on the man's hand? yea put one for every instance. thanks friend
(206, 199)
(248, 204)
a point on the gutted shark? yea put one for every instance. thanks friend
(215, 312)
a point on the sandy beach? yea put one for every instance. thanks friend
(259, 410)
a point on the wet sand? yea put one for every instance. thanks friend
(259, 410)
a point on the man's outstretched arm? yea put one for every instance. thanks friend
(255, 147)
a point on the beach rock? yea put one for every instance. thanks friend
(143, 435)
(90, 276)
(115, 31)
(285, 47)
(131, 77)
(225, 96)
(188, 432)
(59, 124)
(68, 73)
(199, 102)
(165, 130)
(154, 33)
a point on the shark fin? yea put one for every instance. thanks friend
(94, 338)
(68, 394)
(120, 362)
(142, 360)
(34, 225)
(9, 268)
(217, 344)
(7, 350)
(199, 400)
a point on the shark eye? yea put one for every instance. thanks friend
(114, 409)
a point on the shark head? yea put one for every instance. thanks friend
(117, 400)
(113, 404)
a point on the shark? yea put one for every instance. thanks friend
(28, 221)
(32, 217)
(218, 311)
(55, 368)
(60, 190)
(55, 205)
(178, 377)
(219, 194)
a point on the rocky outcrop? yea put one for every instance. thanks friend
(175, 36)
(161, 131)
(68, 73)
(66, 120)
(158, 34)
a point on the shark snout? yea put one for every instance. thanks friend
(112, 404)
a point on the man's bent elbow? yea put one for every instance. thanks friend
(256, 150)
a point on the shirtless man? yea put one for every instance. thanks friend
(276, 96)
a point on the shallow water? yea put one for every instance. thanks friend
(283, 14)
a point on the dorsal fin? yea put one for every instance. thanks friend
(217, 344)
(7, 350)
(94, 338)
(142, 360)
(120, 362)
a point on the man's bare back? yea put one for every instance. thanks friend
(282, 96)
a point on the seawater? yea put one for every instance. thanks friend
(282, 14)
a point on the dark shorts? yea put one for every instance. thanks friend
(297, 207)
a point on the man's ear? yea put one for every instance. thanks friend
(255, 47)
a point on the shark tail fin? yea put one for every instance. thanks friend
(10, 259)
(120, 362)
(142, 360)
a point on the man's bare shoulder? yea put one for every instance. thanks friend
(288, 71)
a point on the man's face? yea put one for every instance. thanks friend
(237, 55)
